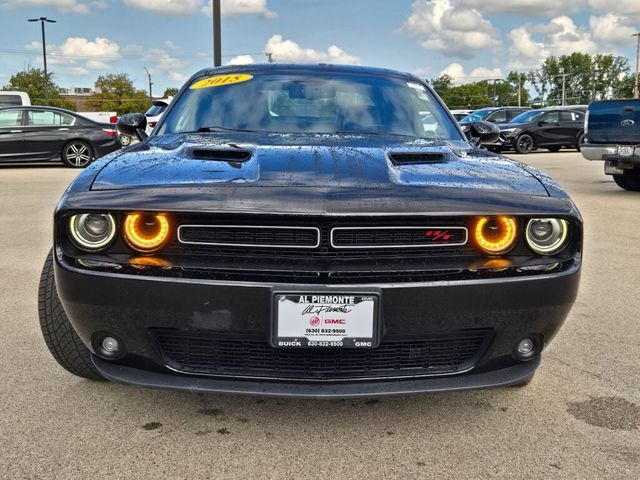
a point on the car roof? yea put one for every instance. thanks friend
(38, 107)
(305, 68)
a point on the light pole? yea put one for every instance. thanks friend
(150, 83)
(636, 88)
(217, 34)
(42, 21)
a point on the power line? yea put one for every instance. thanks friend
(144, 56)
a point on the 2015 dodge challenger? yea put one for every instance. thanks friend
(302, 231)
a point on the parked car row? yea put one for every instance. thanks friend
(525, 130)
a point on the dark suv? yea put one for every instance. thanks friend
(494, 114)
(551, 128)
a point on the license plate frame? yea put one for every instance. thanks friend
(625, 151)
(288, 328)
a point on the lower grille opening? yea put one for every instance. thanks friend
(250, 355)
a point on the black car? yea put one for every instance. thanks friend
(37, 134)
(494, 114)
(550, 128)
(297, 231)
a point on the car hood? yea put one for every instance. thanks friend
(321, 161)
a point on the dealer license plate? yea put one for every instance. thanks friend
(625, 150)
(325, 320)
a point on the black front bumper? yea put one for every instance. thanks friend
(131, 307)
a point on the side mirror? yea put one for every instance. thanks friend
(482, 133)
(542, 123)
(133, 125)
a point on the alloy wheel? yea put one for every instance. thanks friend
(77, 154)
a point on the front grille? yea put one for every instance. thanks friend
(250, 236)
(224, 354)
(397, 237)
(245, 249)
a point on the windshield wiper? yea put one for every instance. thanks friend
(218, 128)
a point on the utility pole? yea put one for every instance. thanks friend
(150, 83)
(42, 21)
(269, 56)
(519, 90)
(564, 89)
(636, 87)
(217, 34)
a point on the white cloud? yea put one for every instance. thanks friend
(560, 36)
(230, 8)
(525, 8)
(64, 6)
(621, 7)
(100, 49)
(241, 60)
(446, 26)
(80, 71)
(169, 7)
(612, 29)
(456, 71)
(284, 51)
(236, 8)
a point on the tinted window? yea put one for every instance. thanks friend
(527, 117)
(156, 110)
(10, 118)
(10, 100)
(309, 103)
(48, 118)
(511, 114)
(552, 117)
(477, 116)
(499, 116)
(567, 117)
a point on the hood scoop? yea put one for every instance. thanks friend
(417, 158)
(220, 155)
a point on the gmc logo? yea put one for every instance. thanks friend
(335, 321)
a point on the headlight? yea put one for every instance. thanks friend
(146, 232)
(495, 235)
(92, 231)
(547, 236)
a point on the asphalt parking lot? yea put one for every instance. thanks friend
(580, 418)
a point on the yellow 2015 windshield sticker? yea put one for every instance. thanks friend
(221, 80)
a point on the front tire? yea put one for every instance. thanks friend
(524, 144)
(629, 180)
(77, 154)
(61, 339)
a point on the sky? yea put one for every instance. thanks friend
(468, 39)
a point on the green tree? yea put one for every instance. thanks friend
(585, 77)
(115, 92)
(442, 84)
(170, 92)
(31, 81)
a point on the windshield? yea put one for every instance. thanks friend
(313, 102)
(477, 116)
(526, 117)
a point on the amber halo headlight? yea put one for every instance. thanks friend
(547, 236)
(92, 231)
(495, 235)
(146, 233)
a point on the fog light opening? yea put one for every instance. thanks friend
(527, 348)
(108, 346)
